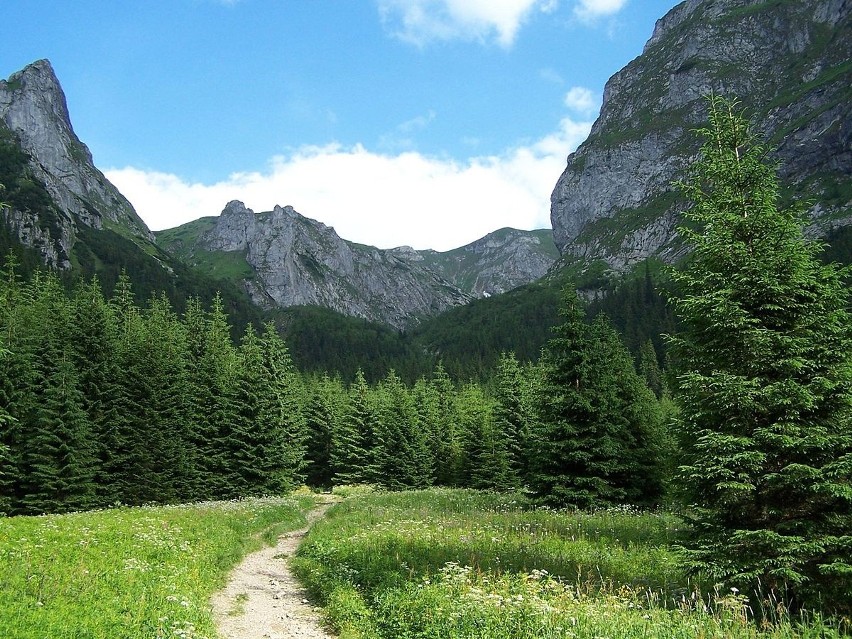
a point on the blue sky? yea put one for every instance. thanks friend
(421, 122)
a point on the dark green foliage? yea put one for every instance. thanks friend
(485, 446)
(469, 339)
(281, 415)
(402, 456)
(352, 441)
(512, 416)
(322, 414)
(763, 381)
(443, 427)
(323, 340)
(637, 308)
(104, 402)
(595, 443)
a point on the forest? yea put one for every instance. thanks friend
(104, 401)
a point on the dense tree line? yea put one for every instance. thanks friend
(103, 401)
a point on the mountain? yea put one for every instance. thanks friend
(497, 263)
(64, 210)
(34, 121)
(284, 259)
(788, 61)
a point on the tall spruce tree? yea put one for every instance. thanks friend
(323, 416)
(54, 438)
(352, 439)
(282, 414)
(763, 380)
(402, 451)
(595, 438)
(512, 415)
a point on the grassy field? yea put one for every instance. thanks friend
(461, 564)
(130, 572)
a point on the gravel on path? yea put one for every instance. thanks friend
(263, 599)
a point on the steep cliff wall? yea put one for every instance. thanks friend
(789, 61)
(34, 116)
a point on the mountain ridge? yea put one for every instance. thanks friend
(789, 64)
(285, 259)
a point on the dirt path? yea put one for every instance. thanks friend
(263, 600)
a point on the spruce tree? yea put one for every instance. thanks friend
(485, 449)
(351, 442)
(7, 469)
(282, 414)
(444, 436)
(511, 414)
(596, 435)
(93, 339)
(54, 438)
(402, 452)
(322, 415)
(763, 380)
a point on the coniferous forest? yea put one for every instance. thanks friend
(104, 401)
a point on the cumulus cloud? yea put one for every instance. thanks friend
(422, 21)
(590, 10)
(385, 200)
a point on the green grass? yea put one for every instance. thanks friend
(129, 572)
(461, 564)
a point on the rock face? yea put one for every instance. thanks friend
(298, 261)
(496, 263)
(33, 111)
(285, 259)
(788, 61)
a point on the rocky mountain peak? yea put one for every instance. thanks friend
(295, 261)
(34, 111)
(789, 64)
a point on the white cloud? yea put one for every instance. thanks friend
(589, 10)
(384, 200)
(581, 101)
(422, 21)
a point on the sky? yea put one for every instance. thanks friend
(426, 123)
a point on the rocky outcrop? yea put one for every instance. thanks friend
(298, 261)
(790, 63)
(496, 263)
(33, 111)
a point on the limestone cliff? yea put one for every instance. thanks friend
(34, 117)
(496, 263)
(789, 62)
(296, 261)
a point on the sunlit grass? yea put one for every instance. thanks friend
(456, 564)
(129, 572)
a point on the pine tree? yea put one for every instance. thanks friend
(216, 384)
(511, 415)
(595, 439)
(444, 436)
(251, 436)
(54, 439)
(763, 380)
(351, 442)
(7, 469)
(402, 452)
(322, 414)
(94, 333)
(282, 413)
(485, 449)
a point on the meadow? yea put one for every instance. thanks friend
(130, 572)
(464, 564)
